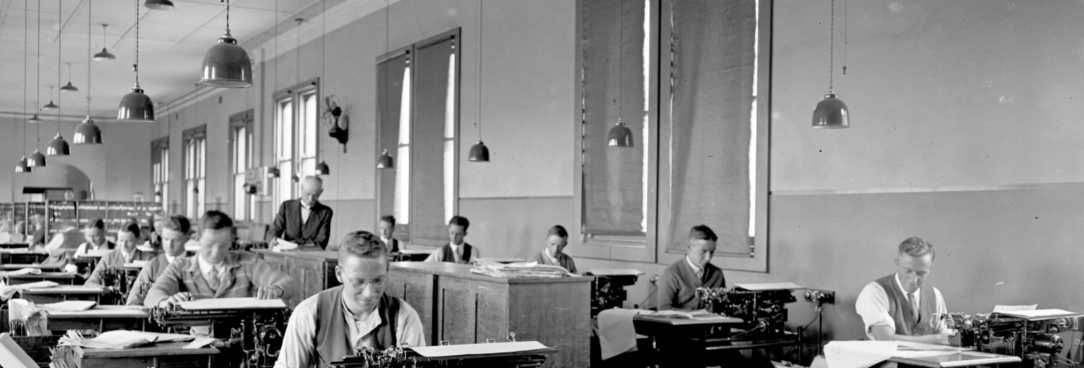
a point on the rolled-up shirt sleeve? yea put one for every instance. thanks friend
(409, 326)
(297, 343)
(942, 312)
(872, 306)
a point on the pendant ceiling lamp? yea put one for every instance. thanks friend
(20, 166)
(105, 55)
(159, 4)
(385, 161)
(58, 146)
(620, 135)
(831, 112)
(68, 87)
(36, 159)
(87, 132)
(479, 152)
(136, 106)
(50, 106)
(226, 64)
(321, 168)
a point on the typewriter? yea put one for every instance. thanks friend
(1034, 337)
(253, 332)
(528, 354)
(608, 289)
(119, 282)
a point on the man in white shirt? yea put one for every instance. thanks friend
(94, 233)
(174, 232)
(903, 306)
(457, 250)
(126, 252)
(357, 314)
(387, 234)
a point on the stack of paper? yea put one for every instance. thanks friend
(699, 313)
(120, 339)
(232, 304)
(513, 270)
(282, 245)
(68, 306)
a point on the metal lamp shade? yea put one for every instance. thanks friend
(104, 55)
(159, 4)
(34, 119)
(36, 159)
(227, 65)
(136, 106)
(831, 113)
(619, 136)
(58, 147)
(21, 166)
(69, 87)
(87, 133)
(322, 169)
(385, 161)
(50, 106)
(479, 153)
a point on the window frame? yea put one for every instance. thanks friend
(160, 171)
(294, 94)
(199, 173)
(651, 248)
(242, 120)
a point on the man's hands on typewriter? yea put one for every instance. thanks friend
(176, 298)
(269, 292)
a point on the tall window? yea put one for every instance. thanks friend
(296, 132)
(195, 171)
(418, 100)
(241, 146)
(160, 171)
(683, 76)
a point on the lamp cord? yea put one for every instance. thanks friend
(90, 8)
(59, 57)
(135, 66)
(831, 48)
(844, 37)
(481, 45)
(227, 16)
(26, 50)
(620, 57)
(37, 128)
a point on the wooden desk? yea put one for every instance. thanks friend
(158, 355)
(314, 270)
(411, 255)
(61, 278)
(14, 245)
(62, 293)
(19, 266)
(101, 318)
(704, 341)
(460, 307)
(22, 256)
(961, 359)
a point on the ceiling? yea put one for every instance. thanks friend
(171, 46)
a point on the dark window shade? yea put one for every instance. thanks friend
(430, 80)
(712, 96)
(613, 197)
(389, 100)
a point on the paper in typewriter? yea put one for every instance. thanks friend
(478, 349)
(769, 286)
(232, 303)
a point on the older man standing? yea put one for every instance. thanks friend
(304, 221)
(903, 306)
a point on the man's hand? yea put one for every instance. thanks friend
(175, 299)
(269, 292)
(941, 338)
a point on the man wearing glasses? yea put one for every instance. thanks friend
(336, 322)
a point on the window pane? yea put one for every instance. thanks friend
(239, 202)
(393, 130)
(308, 127)
(402, 185)
(430, 118)
(286, 131)
(201, 197)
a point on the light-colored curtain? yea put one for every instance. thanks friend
(430, 110)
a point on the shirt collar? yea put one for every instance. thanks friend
(693, 266)
(205, 267)
(360, 327)
(455, 247)
(550, 256)
(306, 207)
(900, 285)
(170, 259)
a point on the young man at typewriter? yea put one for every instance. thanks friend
(457, 250)
(125, 252)
(215, 272)
(357, 314)
(553, 254)
(677, 284)
(174, 234)
(903, 306)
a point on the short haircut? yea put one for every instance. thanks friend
(177, 223)
(131, 227)
(702, 232)
(96, 224)
(916, 247)
(558, 230)
(389, 219)
(459, 220)
(316, 179)
(362, 244)
(215, 220)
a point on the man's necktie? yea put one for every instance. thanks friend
(914, 305)
(459, 254)
(213, 279)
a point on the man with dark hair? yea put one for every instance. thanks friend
(94, 233)
(305, 220)
(336, 322)
(456, 251)
(553, 254)
(903, 306)
(678, 283)
(387, 234)
(126, 252)
(215, 272)
(174, 234)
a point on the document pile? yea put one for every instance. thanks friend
(125, 339)
(519, 269)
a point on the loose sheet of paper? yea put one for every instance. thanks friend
(284, 245)
(1039, 313)
(1014, 308)
(478, 349)
(233, 303)
(615, 272)
(858, 354)
(770, 286)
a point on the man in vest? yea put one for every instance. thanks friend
(127, 238)
(456, 251)
(174, 234)
(903, 306)
(678, 282)
(357, 314)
